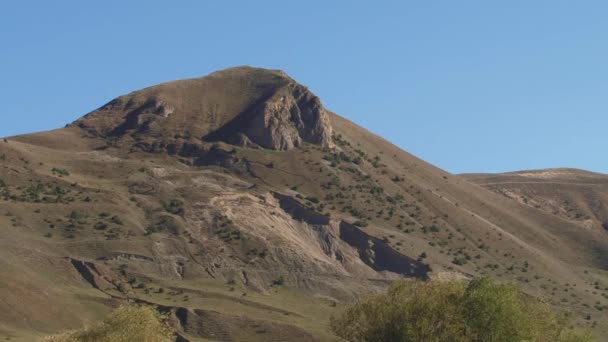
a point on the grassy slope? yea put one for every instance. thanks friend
(574, 195)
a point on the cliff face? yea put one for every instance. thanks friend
(240, 106)
(290, 116)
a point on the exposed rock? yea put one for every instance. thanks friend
(226, 327)
(271, 111)
(292, 115)
(299, 212)
(379, 255)
(101, 278)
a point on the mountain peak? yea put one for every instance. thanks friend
(243, 106)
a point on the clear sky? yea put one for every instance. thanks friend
(470, 86)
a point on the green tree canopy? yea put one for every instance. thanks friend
(128, 323)
(454, 311)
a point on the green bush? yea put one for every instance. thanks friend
(126, 324)
(482, 310)
(312, 199)
(279, 281)
(174, 206)
(116, 220)
(430, 229)
(60, 172)
(100, 226)
(360, 224)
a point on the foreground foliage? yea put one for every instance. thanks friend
(126, 324)
(481, 310)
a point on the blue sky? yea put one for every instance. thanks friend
(470, 86)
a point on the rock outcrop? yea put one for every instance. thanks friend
(243, 106)
(291, 115)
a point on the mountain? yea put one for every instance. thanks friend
(246, 210)
(574, 195)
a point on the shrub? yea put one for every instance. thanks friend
(360, 224)
(279, 281)
(125, 324)
(482, 310)
(116, 220)
(459, 261)
(100, 226)
(163, 223)
(312, 199)
(174, 206)
(60, 172)
(430, 229)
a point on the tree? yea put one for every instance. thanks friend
(125, 324)
(481, 310)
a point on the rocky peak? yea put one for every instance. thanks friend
(243, 106)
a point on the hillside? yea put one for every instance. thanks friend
(240, 205)
(574, 195)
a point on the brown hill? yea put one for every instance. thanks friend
(575, 195)
(243, 106)
(239, 204)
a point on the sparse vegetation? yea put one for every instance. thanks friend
(430, 229)
(279, 281)
(312, 199)
(361, 224)
(174, 206)
(459, 261)
(37, 192)
(163, 223)
(116, 220)
(341, 157)
(60, 172)
(100, 226)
